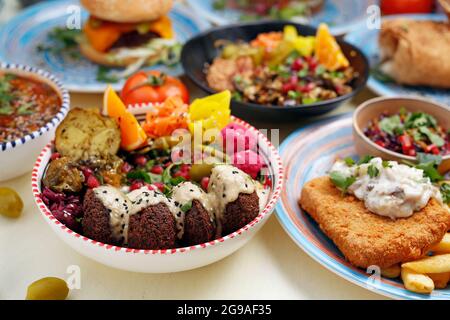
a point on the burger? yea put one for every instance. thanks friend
(129, 33)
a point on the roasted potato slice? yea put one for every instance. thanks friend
(85, 134)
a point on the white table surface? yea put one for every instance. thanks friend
(270, 266)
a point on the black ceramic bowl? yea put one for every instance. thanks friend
(199, 51)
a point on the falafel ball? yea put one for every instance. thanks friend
(152, 228)
(198, 227)
(240, 212)
(95, 221)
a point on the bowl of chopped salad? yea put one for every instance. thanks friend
(157, 188)
(276, 69)
(403, 129)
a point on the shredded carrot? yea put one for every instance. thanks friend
(269, 40)
(166, 118)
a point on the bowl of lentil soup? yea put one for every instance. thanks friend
(32, 104)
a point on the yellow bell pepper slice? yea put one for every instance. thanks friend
(210, 112)
(303, 45)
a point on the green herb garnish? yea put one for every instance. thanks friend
(186, 207)
(63, 41)
(429, 164)
(104, 75)
(310, 100)
(176, 180)
(386, 164)
(342, 182)
(445, 191)
(373, 171)
(349, 161)
(365, 159)
(293, 94)
(391, 124)
(25, 109)
(380, 75)
(139, 175)
(433, 137)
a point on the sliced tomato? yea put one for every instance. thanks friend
(406, 6)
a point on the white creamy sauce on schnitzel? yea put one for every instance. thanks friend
(388, 188)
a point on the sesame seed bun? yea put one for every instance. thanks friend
(128, 11)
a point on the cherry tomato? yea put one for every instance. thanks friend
(403, 6)
(152, 87)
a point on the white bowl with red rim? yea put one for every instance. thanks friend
(169, 260)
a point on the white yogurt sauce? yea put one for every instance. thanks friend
(121, 206)
(185, 192)
(397, 191)
(227, 182)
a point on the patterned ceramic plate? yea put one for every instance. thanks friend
(308, 153)
(341, 15)
(20, 38)
(367, 41)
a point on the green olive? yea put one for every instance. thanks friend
(166, 142)
(200, 170)
(49, 288)
(11, 204)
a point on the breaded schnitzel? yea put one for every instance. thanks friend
(366, 238)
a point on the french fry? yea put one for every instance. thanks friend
(391, 272)
(443, 246)
(417, 282)
(440, 279)
(434, 264)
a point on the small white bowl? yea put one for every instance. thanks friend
(17, 157)
(170, 260)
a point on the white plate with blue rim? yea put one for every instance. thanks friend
(341, 15)
(367, 41)
(21, 37)
(309, 153)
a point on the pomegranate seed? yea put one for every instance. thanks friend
(55, 156)
(287, 87)
(126, 167)
(312, 63)
(204, 183)
(150, 187)
(87, 172)
(92, 182)
(434, 149)
(185, 167)
(297, 65)
(159, 185)
(310, 86)
(136, 185)
(157, 169)
(140, 160)
(182, 174)
(380, 143)
(293, 80)
(168, 163)
(268, 182)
